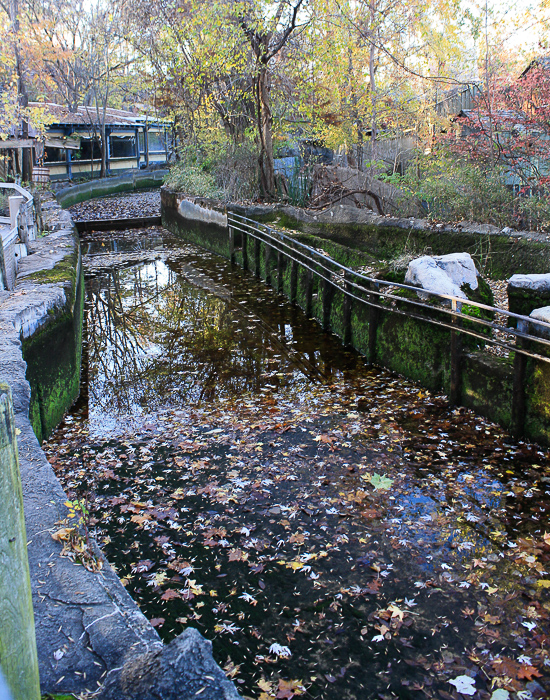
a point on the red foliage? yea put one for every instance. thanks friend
(510, 126)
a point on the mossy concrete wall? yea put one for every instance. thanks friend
(130, 182)
(417, 349)
(498, 253)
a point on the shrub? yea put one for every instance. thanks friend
(192, 180)
(452, 189)
(220, 170)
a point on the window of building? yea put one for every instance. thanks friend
(88, 149)
(123, 146)
(156, 142)
(54, 155)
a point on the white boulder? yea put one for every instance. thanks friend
(443, 274)
(535, 283)
(542, 314)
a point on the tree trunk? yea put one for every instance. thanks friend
(23, 99)
(265, 128)
(372, 80)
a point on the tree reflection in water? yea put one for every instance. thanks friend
(148, 325)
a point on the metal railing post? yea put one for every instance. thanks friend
(456, 353)
(347, 310)
(373, 325)
(518, 391)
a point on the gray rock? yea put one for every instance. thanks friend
(443, 274)
(534, 283)
(542, 314)
(182, 670)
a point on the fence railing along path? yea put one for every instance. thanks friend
(20, 225)
(378, 295)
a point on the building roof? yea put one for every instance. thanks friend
(540, 61)
(87, 116)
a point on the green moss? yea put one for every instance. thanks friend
(487, 382)
(498, 256)
(53, 357)
(523, 301)
(63, 272)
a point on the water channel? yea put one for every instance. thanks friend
(336, 531)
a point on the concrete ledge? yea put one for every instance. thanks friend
(130, 182)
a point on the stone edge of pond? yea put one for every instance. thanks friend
(129, 182)
(87, 625)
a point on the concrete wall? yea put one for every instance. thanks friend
(414, 348)
(130, 182)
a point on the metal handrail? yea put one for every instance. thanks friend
(366, 290)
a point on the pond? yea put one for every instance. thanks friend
(335, 530)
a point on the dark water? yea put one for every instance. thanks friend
(336, 531)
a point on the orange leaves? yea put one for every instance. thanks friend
(288, 689)
(237, 555)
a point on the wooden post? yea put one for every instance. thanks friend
(268, 251)
(231, 244)
(347, 310)
(373, 325)
(328, 296)
(18, 655)
(245, 250)
(518, 391)
(309, 293)
(257, 266)
(293, 281)
(279, 272)
(456, 352)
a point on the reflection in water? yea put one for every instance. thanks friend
(164, 334)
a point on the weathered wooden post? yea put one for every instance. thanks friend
(456, 352)
(231, 244)
(245, 250)
(257, 264)
(373, 324)
(328, 296)
(518, 391)
(268, 252)
(293, 281)
(309, 293)
(279, 272)
(18, 655)
(347, 310)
